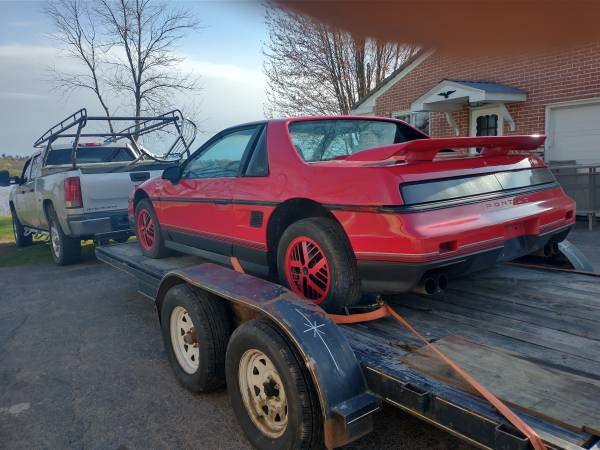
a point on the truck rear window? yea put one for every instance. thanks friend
(327, 139)
(89, 155)
(461, 187)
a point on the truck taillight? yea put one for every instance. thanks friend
(73, 193)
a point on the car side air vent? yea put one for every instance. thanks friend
(256, 219)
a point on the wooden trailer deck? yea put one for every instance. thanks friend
(531, 336)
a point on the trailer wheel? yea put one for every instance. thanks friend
(147, 231)
(65, 249)
(270, 389)
(315, 260)
(195, 328)
(21, 239)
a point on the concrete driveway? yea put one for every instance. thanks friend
(82, 365)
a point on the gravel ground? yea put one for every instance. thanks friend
(82, 365)
(4, 191)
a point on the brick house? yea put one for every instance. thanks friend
(556, 93)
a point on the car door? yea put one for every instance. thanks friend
(33, 199)
(253, 194)
(24, 194)
(197, 210)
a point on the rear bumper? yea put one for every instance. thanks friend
(109, 223)
(396, 277)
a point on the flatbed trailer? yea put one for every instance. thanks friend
(530, 335)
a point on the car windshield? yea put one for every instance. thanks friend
(89, 155)
(324, 140)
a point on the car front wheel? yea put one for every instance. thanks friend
(21, 239)
(315, 260)
(147, 231)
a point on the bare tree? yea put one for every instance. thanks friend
(142, 35)
(77, 32)
(314, 70)
(125, 46)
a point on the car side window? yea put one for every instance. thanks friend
(222, 159)
(26, 171)
(36, 167)
(258, 166)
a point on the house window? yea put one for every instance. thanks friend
(487, 125)
(419, 120)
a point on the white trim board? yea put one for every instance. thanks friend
(368, 106)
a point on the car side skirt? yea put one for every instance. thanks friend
(253, 260)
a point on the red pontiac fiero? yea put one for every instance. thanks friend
(336, 206)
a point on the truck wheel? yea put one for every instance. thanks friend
(65, 250)
(315, 260)
(147, 231)
(21, 239)
(195, 328)
(271, 391)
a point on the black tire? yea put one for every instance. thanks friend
(344, 288)
(157, 250)
(212, 327)
(21, 239)
(65, 250)
(304, 429)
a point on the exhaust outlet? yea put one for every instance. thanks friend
(551, 249)
(442, 282)
(427, 286)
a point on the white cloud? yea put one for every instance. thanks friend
(21, 23)
(20, 96)
(29, 105)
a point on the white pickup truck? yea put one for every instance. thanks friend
(80, 191)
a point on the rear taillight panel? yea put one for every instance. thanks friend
(73, 197)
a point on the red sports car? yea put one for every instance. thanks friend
(337, 206)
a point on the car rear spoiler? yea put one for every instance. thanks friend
(421, 150)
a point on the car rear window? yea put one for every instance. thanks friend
(89, 155)
(461, 187)
(327, 139)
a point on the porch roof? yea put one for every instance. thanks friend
(452, 95)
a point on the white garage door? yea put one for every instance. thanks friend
(574, 133)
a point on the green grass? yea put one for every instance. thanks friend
(14, 166)
(6, 231)
(11, 256)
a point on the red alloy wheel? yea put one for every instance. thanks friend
(145, 228)
(307, 269)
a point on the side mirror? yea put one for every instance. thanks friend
(4, 178)
(173, 174)
(19, 180)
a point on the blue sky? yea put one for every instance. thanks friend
(225, 53)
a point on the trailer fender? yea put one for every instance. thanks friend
(575, 257)
(346, 403)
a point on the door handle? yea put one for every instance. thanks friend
(139, 176)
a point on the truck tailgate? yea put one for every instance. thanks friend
(109, 190)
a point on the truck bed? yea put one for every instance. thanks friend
(531, 336)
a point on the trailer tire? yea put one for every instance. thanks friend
(151, 241)
(202, 370)
(258, 345)
(21, 239)
(338, 283)
(65, 249)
